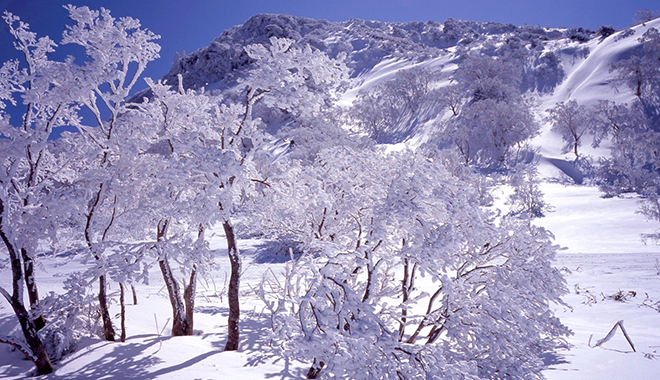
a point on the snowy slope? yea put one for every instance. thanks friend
(604, 252)
(589, 80)
(601, 237)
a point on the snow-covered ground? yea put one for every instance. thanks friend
(149, 351)
(604, 256)
(594, 281)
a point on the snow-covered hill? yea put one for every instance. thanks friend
(604, 255)
(562, 65)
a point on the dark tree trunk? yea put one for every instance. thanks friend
(134, 295)
(232, 292)
(404, 307)
(39, 354)
(178, 317)
(122, 337)
(189, 300)
(108, 330)
(315, 370)
(33, 292)
(178, 310)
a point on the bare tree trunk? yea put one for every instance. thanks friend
(404, 307)
(39, 354)
(31, 285)
(178, 310)
(108, 330)
(178, 314)
(189, 300)
(122, 313)
(134, 295)
(232, 292)
(315, 370)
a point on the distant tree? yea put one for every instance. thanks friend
(492, 133)
(572, 121)
(482, 77)
(390, 111)
(645, 15)
(295, 81)
(605, 31)
(617, 121)
(527, 197)
(633, 129)
(452, 98)
(492, 121)
(641, 72)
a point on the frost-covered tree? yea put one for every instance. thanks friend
(641, 72)
(290, 81)
(527, 197)
(645, 15)
(634, 130)
(53, 94)
(493, 133)
(390, 111)
(118, 52)
(616, 122)
(412, 278)
(298, 81)
(491, 121)
(572, 121)
(633, 164)
(199, 155)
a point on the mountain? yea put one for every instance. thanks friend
(368, 43)
(557, 64)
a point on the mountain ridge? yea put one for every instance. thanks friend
(364, 42)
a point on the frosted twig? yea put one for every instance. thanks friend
(611, 334)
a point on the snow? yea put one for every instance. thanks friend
(584, 222)
(149, 350)
(388, 68)
(603, 255)
(605, 269)
(593, 278)
(589, 80)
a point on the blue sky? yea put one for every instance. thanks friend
(192, 24)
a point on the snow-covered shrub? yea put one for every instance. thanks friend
(406, 276)
(492, 122)
(624, 34)
(390, 112)
(605, 31)
(70, 316)
(527, 198)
